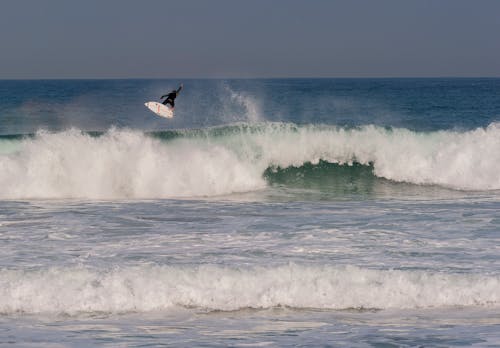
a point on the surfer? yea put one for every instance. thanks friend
(171, 97)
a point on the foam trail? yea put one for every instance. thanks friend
(148, 288)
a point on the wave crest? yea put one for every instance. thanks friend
(224, 160)
(148, 288)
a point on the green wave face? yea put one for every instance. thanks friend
(324, 176)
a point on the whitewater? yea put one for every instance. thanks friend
(341, 212)
(143, 289)
(130, 164)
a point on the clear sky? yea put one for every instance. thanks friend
(248, 38)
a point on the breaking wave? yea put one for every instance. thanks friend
(157, 288)
(123, 163)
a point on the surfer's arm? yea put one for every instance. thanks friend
(179, 89)
(163, 96)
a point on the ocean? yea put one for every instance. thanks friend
(267, 212)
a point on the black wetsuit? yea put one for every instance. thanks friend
(171, 97)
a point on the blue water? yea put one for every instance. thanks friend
(415, 104)
(278, 212)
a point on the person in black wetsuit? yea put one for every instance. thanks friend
(171, 97)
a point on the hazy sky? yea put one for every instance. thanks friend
(248, 38)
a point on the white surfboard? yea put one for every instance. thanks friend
(160, 109)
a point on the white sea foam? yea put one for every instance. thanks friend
(148, 288)
(129, 164)
(461, 160)
(121, 164)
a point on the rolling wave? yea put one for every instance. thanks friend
(159, 288)
(123, 163)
